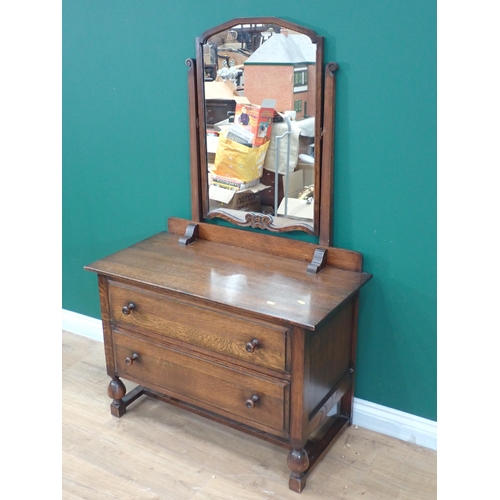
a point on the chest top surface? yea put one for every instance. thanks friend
(241, 280)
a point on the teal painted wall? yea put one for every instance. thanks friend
(126, 156)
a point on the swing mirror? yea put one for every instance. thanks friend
(258, 97)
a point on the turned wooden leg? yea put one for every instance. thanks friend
(116, 391)
(298, 462)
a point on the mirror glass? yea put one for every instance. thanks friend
(261, 110)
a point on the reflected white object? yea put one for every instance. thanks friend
(297, 208)
(212, 143)
(220, 194)
(306, 126)
(306, 158)
(279, 129)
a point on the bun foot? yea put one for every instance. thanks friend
(298, 462)
(116, 391)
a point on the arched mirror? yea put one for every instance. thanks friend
(258, 139)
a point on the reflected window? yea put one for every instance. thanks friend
(300, 79)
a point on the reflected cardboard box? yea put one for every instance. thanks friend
(308, 171)
(248, 200)
(256, 119)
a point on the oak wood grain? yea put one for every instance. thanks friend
(198, 326)
(241, 280)
(205, 383)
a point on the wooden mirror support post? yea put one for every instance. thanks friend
(244, 328)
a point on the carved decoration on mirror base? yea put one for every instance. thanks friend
(259, 221)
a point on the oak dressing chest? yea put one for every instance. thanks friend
(249, 329)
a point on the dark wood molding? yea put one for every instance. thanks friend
(318, 134)
(194, 149)
(347, 401)
(327, 158)
(201, 138)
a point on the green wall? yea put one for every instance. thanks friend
(126, 156)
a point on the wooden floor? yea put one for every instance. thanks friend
(157, 451)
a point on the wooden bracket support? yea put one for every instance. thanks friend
(190, 235)
(318, 261)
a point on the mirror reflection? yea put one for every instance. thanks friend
(260, 109)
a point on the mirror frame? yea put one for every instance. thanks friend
(323, 140)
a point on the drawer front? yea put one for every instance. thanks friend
(218, 388)
(256, 343)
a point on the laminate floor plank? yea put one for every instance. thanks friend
(158, 451)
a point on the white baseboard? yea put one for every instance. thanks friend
(395, 423)
(372, 416)
(82, 325)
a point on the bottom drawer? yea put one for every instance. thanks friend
(255, 400)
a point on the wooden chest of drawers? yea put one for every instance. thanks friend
(236, 331)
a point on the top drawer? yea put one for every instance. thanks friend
(257, 343)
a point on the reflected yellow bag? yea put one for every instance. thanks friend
(238, 161)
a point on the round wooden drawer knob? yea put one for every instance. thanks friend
(251, 346)
(126, 309)
(252, 402)
(129, 360)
